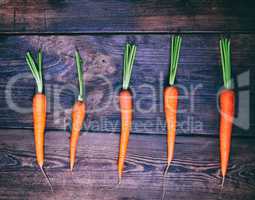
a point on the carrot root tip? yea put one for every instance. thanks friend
(166, 169)
(71, 167)
(47, 178)
(119, 179)
(222, 183)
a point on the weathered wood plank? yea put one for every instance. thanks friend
(86, 16)
(199, 77)
(194, 172)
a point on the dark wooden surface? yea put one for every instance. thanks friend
(199, 68)
(100, 29)
(86, 16)
(194, 173)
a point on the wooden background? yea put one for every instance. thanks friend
(194, 174)
(199, 76)
(99, 29)
(88, 16)
(94, 28)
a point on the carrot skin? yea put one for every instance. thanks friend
(227, 104)
(170, 107)
(78, 117)
(126, 105)
(39, 118)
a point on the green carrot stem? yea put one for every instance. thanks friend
(175, 54)
(225, 52)
(79, 64)
(39, 59)
(129, 58)
(36, 69)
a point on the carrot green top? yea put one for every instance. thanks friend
(79, 63)
(225, 62)
(129, 57)
(36, 69)
(175, 54)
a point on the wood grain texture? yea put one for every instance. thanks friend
(95, 176)
(86, 16)
(199, 78)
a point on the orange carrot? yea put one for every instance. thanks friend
(39, 110)
(227, 104)
(171, 100)
(126, 106)
(78, 113)
(171, 106)
(78, 116)
(39, 116)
